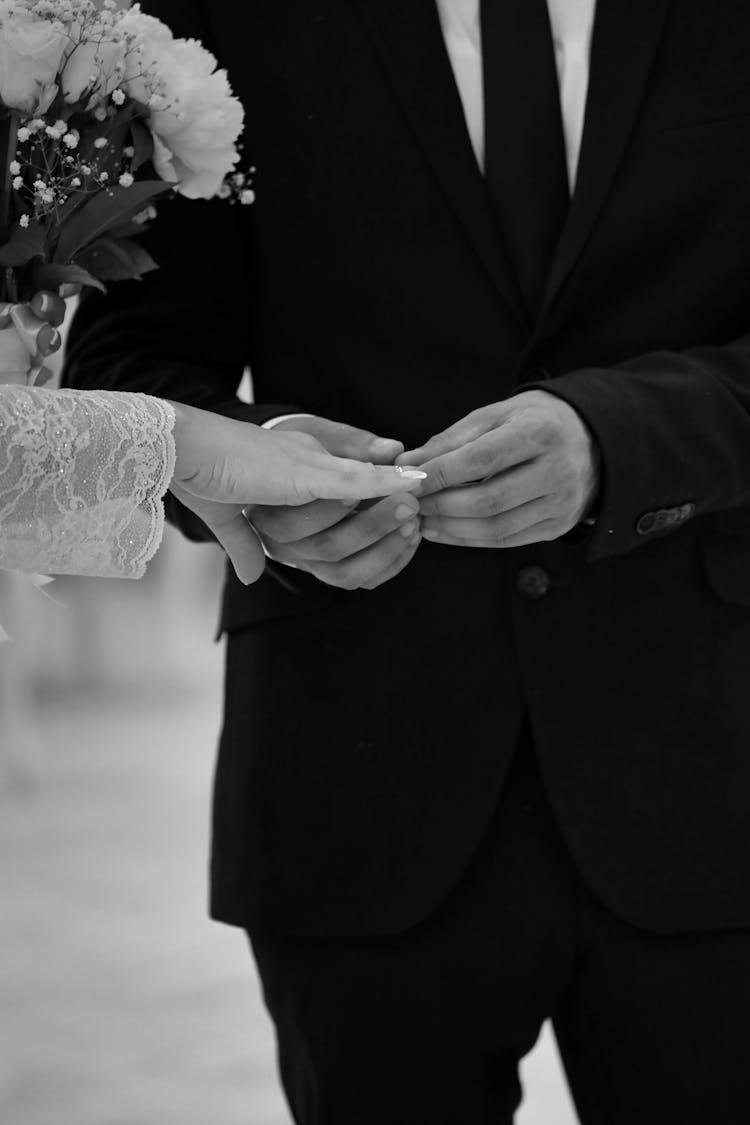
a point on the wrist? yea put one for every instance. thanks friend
(179, 431)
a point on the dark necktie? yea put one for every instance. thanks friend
(525, 163)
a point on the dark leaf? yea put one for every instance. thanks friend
(105, 211)
(130, 229)
(53, 276)
(25, 244)
(113, 260)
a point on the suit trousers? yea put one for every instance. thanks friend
(427, 1027)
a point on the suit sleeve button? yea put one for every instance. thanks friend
(647, 523)
(663, 519)
(532, 582)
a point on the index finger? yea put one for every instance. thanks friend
(345, 479)
(501, 449)
(468, 429)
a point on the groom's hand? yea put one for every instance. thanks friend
(516, 472)
(341, 545)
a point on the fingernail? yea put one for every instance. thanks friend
(404, 512)
(408, 530)
(430, 534)
(413, 474)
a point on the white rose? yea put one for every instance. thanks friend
(195, 119)
(31, 51)
(91, 65)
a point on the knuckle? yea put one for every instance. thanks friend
(327, 548)
(440, 478)
(374, 523)
(571, 495)
(482, 459)
(568, 472)
(487, 504)
(341, 579)
(546, 429)
(345, 576)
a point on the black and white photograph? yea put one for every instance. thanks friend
(375, 562)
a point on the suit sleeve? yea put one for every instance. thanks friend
(673, 429)
(180, 333)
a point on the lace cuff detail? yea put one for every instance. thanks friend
(82, 477)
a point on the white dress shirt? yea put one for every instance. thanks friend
(572, 25)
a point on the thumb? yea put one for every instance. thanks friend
(349, 441)
(230, 528)
(243, 547)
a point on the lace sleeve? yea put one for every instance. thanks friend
(82, 476)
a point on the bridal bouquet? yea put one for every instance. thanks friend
(102, 114)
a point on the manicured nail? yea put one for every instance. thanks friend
(413, 474)
(404, 512)
(408, 530)
(430, 534)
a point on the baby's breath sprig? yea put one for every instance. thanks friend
(50, 172)
(239, 188)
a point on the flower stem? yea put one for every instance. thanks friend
(8, 145)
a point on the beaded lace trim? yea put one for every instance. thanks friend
(82, 477)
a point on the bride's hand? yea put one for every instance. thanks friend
(28, 335)
(223, 465)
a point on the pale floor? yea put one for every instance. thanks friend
(121, 1003)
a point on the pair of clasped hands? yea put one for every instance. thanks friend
(516, 472)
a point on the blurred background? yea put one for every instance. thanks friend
(122, 1004)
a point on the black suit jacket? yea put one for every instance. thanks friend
(367, 734)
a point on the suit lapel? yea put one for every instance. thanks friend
(626, 35)
(409, 41)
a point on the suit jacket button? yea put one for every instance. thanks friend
(532, 582)
(647, 523)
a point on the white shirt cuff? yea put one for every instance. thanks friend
(273, 422)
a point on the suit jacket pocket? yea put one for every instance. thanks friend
(726, 562)
(710, 108)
